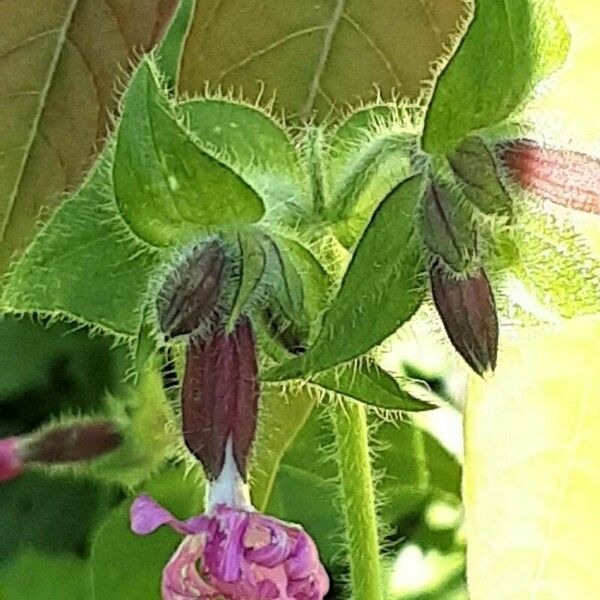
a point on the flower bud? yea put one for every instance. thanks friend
(446, 226)
(220, 397)
(71, 443)
(11, 462)
(467, 308)
(473, 165)
(189, 298)
(564, 177)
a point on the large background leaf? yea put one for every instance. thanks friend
(60, 61)
(508, 48)
(313, 55)
(531, 485)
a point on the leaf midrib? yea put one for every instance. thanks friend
(323, 56)
(62, 38)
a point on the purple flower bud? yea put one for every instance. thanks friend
(564, 177)
(220, 397)
(446, 226)
(71, 443)
(189, 298)
(468, 311)
(235, 554)
(11, 463)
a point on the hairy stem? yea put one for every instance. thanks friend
(350, 424)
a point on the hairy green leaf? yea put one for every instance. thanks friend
(508, 48)
(316, 56)
(370, 384)
(168, 188)
(254, 145)
(85, 265)
(60, 61)
(381, 290)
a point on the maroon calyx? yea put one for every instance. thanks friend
(467, 308)
(220, 397)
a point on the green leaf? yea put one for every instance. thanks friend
(312, 57)
(508, 48)
(60, 61)
(168, 188)
(531, 487)
(283, 413)
(168, 54)
(85, 265)
(125, 565)
(368, 155)
(556, 264)
(299, 285)
(51, 514)
(253, 262)
(381, 290)
(38, 576)
(476, 172)
(36, 358)
(370, 384)
(255, 146)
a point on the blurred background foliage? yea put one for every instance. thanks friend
(65, 537)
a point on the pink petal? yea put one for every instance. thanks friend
(11, 465)
(277, 546)
(224, 550)
(146, 516)
(181, 580)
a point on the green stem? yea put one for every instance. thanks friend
(351, 430)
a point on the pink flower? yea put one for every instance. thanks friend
(235, 554)
(559, 175)
(11, 462)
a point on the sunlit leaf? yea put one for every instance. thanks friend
(60, 61)
(168, 188)
(532, 446)
(508, 48)
(380, 291)
(312, 56)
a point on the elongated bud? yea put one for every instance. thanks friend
(11, 461)
(565, 177)
(474, 166)
(468, 311)
(188, 300)
(71, 443)
(57, 445)
(446, 226)
(220, 397)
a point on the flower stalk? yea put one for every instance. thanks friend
(351, 432)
